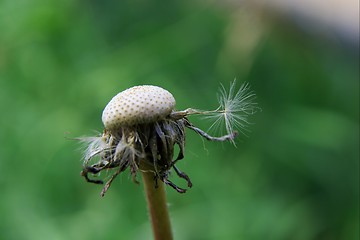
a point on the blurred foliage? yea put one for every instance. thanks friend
(296, 175)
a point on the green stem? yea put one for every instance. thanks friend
(157, 205)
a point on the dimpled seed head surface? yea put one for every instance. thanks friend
(138, 105)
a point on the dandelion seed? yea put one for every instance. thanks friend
(94, 146)
(235, 107)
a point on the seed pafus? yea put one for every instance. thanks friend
(142, 127)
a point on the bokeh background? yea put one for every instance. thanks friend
(294, 176)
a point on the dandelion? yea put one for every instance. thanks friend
(142, 129)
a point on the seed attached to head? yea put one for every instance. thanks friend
(137, 105)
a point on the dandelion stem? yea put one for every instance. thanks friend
(157, 205)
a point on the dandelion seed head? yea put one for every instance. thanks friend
(142, 129)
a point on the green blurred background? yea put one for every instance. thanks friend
(295, 176)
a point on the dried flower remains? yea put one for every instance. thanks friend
(142, 128)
